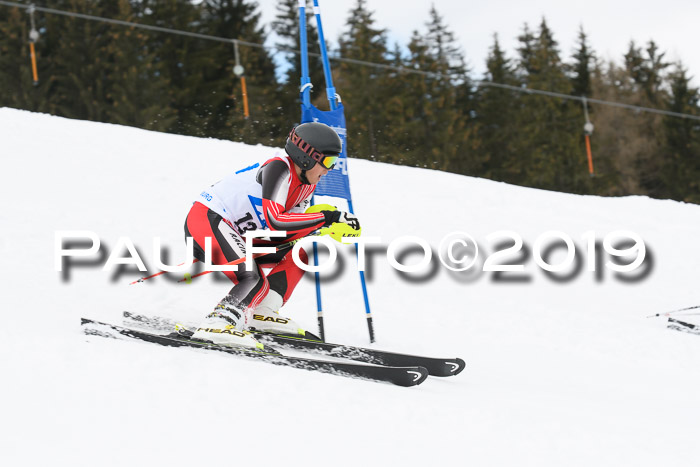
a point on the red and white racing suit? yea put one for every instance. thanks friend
(271, 197)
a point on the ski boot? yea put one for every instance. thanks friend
(265, 319)
(226, 326)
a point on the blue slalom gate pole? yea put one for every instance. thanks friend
(368, 312)
(333, 100)
(305, 91)
(330, 90)
(306, 86)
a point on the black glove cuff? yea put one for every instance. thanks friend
(331, 217)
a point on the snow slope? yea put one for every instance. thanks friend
(558, 373)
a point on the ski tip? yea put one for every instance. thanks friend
(447, 367)
(416, 376)
(460, 365)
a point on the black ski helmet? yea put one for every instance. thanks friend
(309, 142)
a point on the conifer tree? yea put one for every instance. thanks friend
(581, 67)
(220, 106)
(620, 137)
(497, 132)
(358, 84)
(394, 138)
(91, 70)
(102, 72)
(136, 90)
(442, 105)
(681, 168)
(552, 154)
(646, 72)
(286, 26)
(180, 59)
(634, 62)
(416, 111)
(526, 52)
(77, 87)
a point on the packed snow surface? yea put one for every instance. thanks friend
(559, 372)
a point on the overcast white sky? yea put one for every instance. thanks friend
(610, 24)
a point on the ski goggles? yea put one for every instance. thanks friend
(326, 160)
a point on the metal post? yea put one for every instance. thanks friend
(588, 131)
(306, 85)
(33, 38)
(239, 71)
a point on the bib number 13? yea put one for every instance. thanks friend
(245, 223)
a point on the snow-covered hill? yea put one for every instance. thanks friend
(558, 372)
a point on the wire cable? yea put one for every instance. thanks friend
(399, 69)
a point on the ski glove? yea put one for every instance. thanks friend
(337, 224)
(341, 216)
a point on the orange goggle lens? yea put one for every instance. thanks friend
(329, 161)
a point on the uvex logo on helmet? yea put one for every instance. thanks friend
(311, 143)
(304, 146)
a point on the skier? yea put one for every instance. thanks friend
(276, 196)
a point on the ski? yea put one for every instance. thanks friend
(435, 366)
(678, 325)
(400, 376)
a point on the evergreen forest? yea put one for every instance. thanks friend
(419, 104)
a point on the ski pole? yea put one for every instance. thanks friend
(188, 278)
(674, 311)
(234, 262)
(158, 273)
